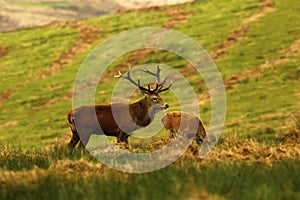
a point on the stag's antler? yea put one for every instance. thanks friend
(128, 77)
(138, 83)
(159, 85)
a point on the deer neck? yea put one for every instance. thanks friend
(140, 113)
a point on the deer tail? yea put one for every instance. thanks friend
(70, 117)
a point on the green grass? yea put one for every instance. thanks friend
(180, 180)
(210, 23)
(259, 108)
(44, 125)
(30, 51)
(271, 91)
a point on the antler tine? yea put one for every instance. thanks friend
(157, 74)
(148, 72)
(128, 77)
(139, 82)
(163, 82)
(119, 75)
(162, 90)
(159, 85)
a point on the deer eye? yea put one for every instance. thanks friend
(155, 99)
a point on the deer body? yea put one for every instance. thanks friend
(186, 123)
(118, 120)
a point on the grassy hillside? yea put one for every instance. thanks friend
(256, 48)
(39, 68)
(19, 14)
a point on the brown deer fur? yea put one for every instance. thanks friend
(141, 113)
(118, 120)
(186, 123)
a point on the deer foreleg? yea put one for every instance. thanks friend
(172, 133)
(122, 137)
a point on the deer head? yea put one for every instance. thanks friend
(151, 95)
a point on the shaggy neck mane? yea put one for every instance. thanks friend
(140, 113)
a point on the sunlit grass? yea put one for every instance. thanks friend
(260, 110)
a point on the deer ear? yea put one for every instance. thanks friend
(145, 92)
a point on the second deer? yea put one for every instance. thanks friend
(180, 122)
(100, 119)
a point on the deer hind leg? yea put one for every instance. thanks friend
(201, 134)
(74, 140)
(122, 137)
(75, 137)
(122, 140)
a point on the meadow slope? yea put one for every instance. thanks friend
(255, 45)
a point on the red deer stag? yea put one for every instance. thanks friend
(85, 120)
(185, 123)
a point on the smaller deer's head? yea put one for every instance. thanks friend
(151, 95)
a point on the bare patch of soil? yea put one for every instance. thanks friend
(132, 59)
(8, 125)
(188, 70)
(233, 81)
(87, 36)
(177, 15)
(292, 51)
(221, 50)
(5, 95)
(287, 56)
(54, 102)
(3, 51)
(266, 6)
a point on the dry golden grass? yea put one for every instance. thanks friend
(232, 149)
